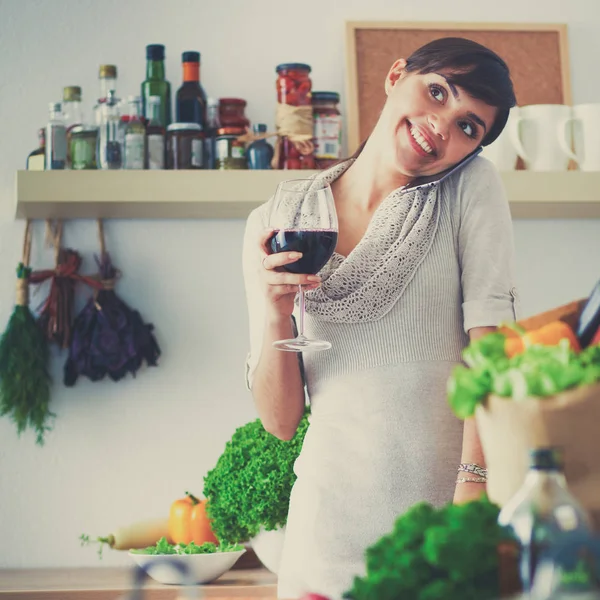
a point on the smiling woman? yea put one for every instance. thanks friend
(423, 262)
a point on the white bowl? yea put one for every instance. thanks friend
(200, 568)
(268, 546)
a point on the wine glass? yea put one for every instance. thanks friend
(304, 220)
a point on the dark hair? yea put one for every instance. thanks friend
(473, 67)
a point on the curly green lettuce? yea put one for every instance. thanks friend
(449, 553)
(540, 371)
(250, 486)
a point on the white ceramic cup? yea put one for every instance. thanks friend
(543, 136)
(586, 135)
(502, 152)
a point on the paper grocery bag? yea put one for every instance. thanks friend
(509, 429)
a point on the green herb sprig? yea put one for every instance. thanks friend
(250, 486)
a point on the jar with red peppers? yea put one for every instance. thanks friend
(232, 113)
(294, 89)
(327, 127)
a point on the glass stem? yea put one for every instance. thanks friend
(301, 327)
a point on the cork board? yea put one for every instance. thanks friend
(537, 55)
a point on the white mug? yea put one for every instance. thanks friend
(543, 136)
(586, 135)
(502, 152)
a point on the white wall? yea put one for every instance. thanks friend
(123, 451)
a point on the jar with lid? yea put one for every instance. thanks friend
(232, 113)
(294, 89)
(230, 152)
(185, 146)
(82, 147)
(327, 124)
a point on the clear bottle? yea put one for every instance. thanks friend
(36, 160)
(212, 126)
(72, 108)
(56, 138)
(155, 83)
(155, 135)
(109, 154)
(543, 512)
(135, 136)
(107, 77)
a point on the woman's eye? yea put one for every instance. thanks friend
(437, 93)
(468, 128)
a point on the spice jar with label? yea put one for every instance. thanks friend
(230, 152)
(294, 124)
(327, 122)
(185, 146)
(232, 113)
(83, 141)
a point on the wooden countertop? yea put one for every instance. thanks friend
(102, 583)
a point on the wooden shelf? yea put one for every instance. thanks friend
(233, 194)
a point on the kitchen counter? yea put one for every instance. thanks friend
(101, 583)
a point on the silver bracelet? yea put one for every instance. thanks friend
(473, 468)
(471, 480)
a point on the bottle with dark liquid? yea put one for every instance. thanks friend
(37, 159)
(191, 98)
(156, 84)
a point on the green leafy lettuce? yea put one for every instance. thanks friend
(449, 553)
(540, 371)
(250, 486)
(163, 547)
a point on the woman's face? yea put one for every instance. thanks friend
(428, 124)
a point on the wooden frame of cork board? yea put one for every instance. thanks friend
(537, 55)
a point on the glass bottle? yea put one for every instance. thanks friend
(135, 137)
(155, 83)
(191, 98)
(56, 138)
(542, 512)
(212, 126)
(155, 136)
(37, 159)
(259, 153)
(110, 153)
(72, 109)
(107, 76)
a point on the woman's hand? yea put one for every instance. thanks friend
(280, 286)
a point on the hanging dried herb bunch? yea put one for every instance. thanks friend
(57, 313)
(24, 378)
(109, 337)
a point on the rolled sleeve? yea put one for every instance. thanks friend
(486, 250)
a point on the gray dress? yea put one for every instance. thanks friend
(381, 434)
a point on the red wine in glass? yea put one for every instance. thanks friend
(304, 220)
(316, 246)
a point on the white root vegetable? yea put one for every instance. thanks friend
(133, 537)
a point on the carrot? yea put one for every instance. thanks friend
(135, 536)
(548, 335)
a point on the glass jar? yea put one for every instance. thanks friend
(232, 113)
(327, 123)
(83, 142)
(185, 146)
(230, 153)
(294, 89)
(259, 153)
